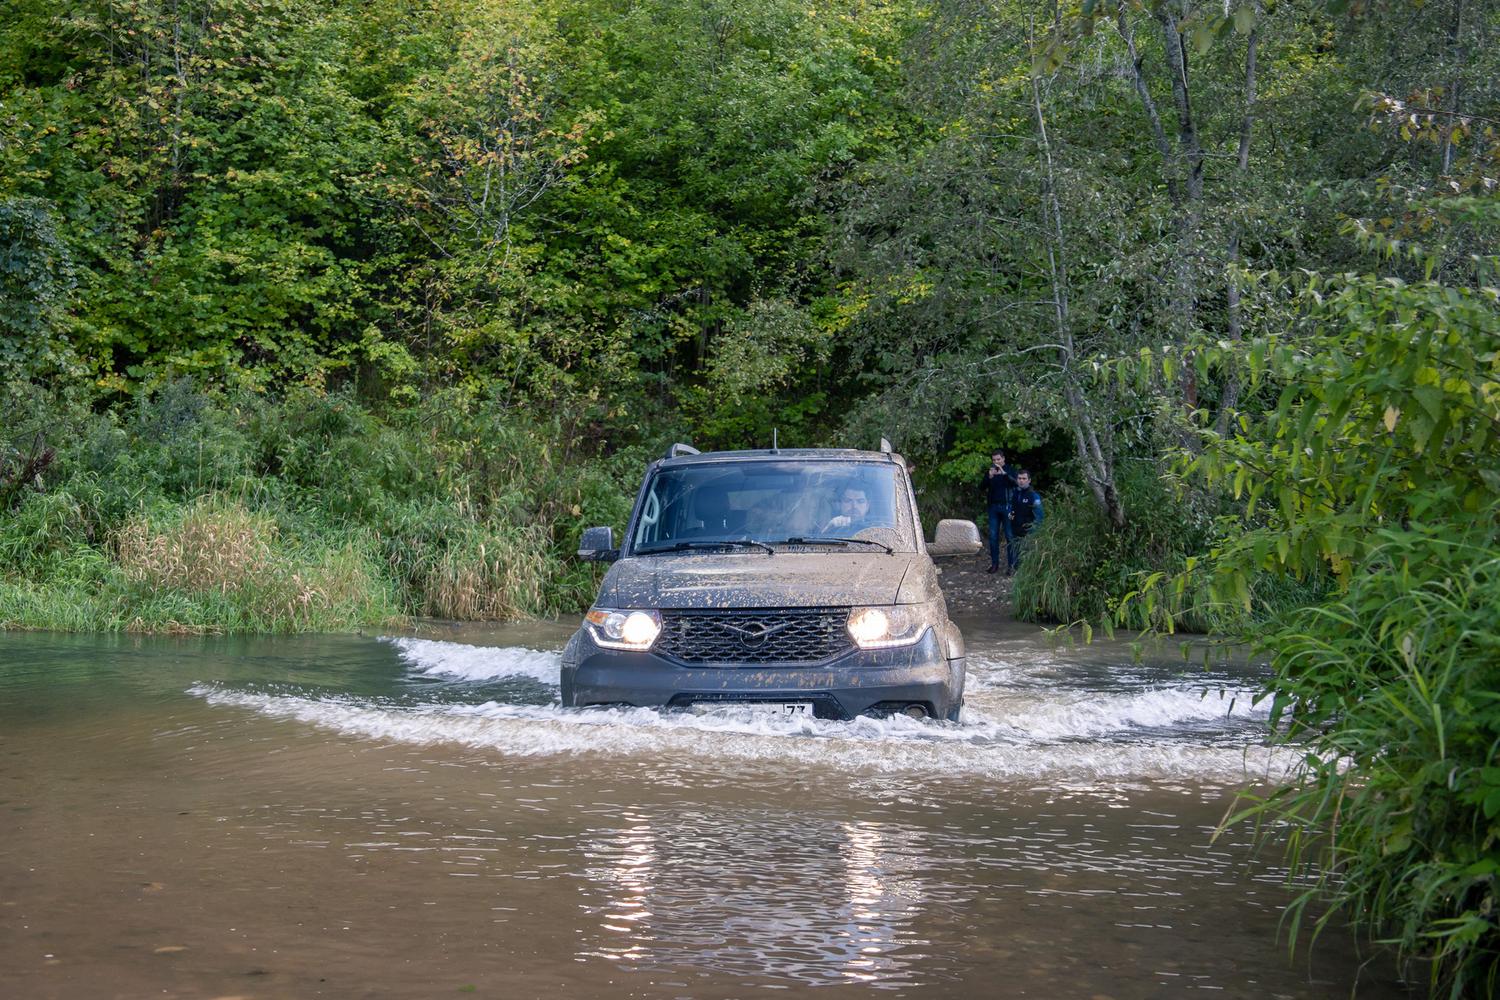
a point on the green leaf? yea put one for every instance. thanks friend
(1399, 839)
(1202, 37)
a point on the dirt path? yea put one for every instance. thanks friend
(971, 591)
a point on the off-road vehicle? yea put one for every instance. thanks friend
(793, 580)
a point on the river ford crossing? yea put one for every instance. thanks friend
(378, 816)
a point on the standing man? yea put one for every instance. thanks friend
(996, 484)
(1025, 514)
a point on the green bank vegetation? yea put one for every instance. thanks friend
(190, 511)
(1373, 465)
(322, 313)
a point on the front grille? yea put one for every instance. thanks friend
(755, 637)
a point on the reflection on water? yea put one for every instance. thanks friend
(763, 895)
(346, 816)
(881, 901)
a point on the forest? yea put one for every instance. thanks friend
(322, 313)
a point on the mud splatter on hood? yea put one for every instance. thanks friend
(758, 580)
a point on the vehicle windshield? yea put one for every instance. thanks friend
(864, 504)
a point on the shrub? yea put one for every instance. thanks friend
(1396, 813)
(1078, 567)
(228, 565)
(1376, 466)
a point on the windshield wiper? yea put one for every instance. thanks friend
(840, 541)
(708, 544)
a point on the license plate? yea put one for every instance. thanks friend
(801, 709)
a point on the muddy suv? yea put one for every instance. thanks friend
(794, 581)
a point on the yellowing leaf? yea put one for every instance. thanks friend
(1391, 416)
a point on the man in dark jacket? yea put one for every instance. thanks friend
(1025, 514)
(996, 484)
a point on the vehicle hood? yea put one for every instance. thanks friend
(758, 580)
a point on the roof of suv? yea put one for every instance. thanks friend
(782, 454)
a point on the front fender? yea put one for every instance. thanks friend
(953, 641)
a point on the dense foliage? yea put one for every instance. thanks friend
(319, 312)
(193, 512)
(1376, 464)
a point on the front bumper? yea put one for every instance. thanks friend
(859, 682)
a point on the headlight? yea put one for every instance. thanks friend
(882, 628)
(620, 629)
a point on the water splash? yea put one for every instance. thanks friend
(458, 661)
(737, 735)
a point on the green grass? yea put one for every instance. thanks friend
(194, 512)
(1393, 691)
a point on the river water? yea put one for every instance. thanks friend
(367, 816)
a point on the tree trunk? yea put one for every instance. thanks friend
(1190, 190)
(1182, 172)
(1232, 388)
(1455, 85)
(1094, 459)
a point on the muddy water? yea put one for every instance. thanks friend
(367, 816)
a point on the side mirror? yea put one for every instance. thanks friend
(954, 538)
(598, 545)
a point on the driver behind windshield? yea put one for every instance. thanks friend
(853, 511)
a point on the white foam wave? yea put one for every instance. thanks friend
(987, 748)
(1034, 669)
(1045, 715)
(456, 660)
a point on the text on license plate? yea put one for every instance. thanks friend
(796, 708)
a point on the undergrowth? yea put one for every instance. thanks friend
(1077, 568)
(1393, 693)
(189, 511)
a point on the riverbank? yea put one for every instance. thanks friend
(200, 512)
(972, 592)
(193, 512)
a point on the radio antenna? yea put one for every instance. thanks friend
(774, 438)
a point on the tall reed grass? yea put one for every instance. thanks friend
(190, 511)
(1077, 567)
(1393, 692)
(223, 560)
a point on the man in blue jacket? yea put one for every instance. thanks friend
(996, 484)
(1025, 514)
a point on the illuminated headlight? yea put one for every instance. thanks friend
(619, 629)
(882, 628)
